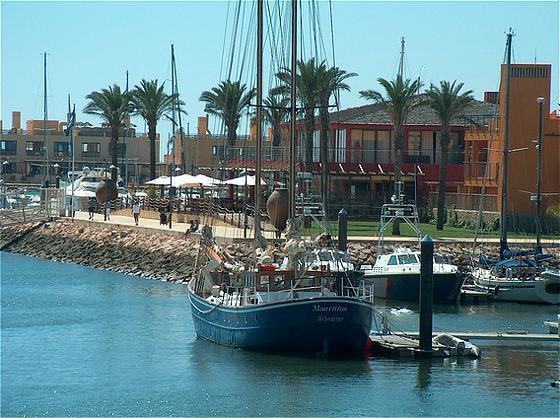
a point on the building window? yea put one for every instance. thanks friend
(90, 149)
(34, 148)
(383, 149)
(8, 147)
(368, 146)
(316, 146)
(415, 143)
(302, 144)
(62, 149)
(218, 151)
(340, 155)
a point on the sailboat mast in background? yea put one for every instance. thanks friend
(258, 236)
(505, 150)
(45, 118)
(292, 176)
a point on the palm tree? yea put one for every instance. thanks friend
(227, 101)
(275, 112)
(112, 106)
(151, 102)
(448, 103)
(330, 80)
(307, 90)
(398, 102)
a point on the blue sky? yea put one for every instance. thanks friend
(92, 44)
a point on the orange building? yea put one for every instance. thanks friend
(484, 145)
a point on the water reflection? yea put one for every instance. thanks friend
(250, 363)
(423, 376)
(519, 367)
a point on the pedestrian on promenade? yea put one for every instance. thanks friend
(136, 211)
(92, 205)
(107, 209)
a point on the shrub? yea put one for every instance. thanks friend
(152, 193)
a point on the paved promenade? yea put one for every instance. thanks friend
(232, 233)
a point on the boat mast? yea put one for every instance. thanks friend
(45, 117)
(258, 235)
(538, 249)
(172, 137)
(175, 89)
(126, 128)
(505, 151)
(173, 130)
(401, 62)
(292, 173)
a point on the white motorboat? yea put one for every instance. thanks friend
(396, 274)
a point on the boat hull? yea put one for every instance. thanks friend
(512, 290)
(406, 287)
(324, 324)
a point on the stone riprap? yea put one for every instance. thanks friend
(168, 257)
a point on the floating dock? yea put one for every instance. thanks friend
(400, 345)
(492, 335)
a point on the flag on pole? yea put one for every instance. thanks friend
(70, 118)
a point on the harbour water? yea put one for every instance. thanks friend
(77, 341)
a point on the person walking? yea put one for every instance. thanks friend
(136, 211)
(107, 209)
(92, 205)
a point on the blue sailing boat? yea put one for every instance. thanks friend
(282, 307)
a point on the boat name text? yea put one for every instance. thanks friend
(333, 308)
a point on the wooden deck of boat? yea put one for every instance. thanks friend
(492, 335)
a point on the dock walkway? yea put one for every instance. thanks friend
(233, 234)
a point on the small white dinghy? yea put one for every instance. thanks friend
(457, 347)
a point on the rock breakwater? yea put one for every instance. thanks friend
(164, 256)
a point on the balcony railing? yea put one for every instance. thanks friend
(62, 153)
(373, 156)
(481, 171)
(87, 154)
(34, 153)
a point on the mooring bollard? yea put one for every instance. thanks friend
(342, 230)
(426, 294)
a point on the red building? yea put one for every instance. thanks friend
(361, 157)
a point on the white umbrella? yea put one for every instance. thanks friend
(207, 181)
(184, 180)
(240, 181)
(163, 180)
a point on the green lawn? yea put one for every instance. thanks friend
(369, 229)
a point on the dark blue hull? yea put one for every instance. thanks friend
(406, 287)
(326, 324)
